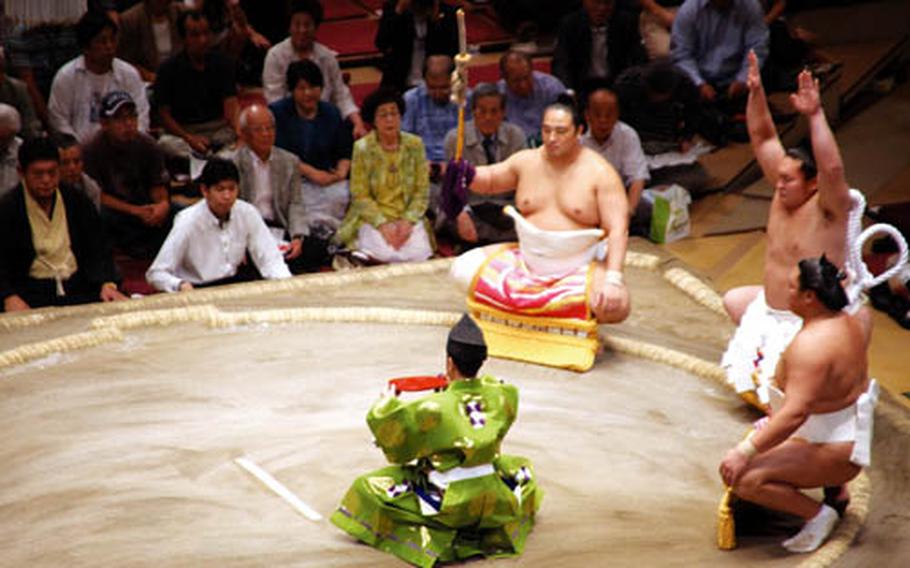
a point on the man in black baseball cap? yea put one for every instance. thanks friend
(129, 167)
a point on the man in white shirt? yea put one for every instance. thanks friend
(619, 144)
(270, 180)
(210, 239)
(305, 17)
(79, 86)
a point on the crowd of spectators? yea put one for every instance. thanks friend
(132, 96)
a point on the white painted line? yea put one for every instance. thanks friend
(278, 488)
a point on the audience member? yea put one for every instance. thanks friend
(430, 114)
(80, 85)
(312, 129)
(305, 17)
(527, 17)
(148, 36)
(389, 187)
(654, 25)
(9, 148)
(662, 104)
(232, 32)
(54, 252)
(71, 169)
(528, 92)
(41, 41)
(488, 139)
(619, 144)
(410, 31)
(710, 41)
(129, 167)
(14, 93)
(596, 42)
(210, 240)
(195, 93)
(270, 181)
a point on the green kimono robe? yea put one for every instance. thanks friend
(450, 494)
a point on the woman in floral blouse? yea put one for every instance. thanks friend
(389, 187)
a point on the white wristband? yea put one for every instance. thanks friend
(613, 277)
(747, 448)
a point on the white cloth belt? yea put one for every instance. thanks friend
(556, 252)
(763, 329)
(442, 479)
(865, 417)
(851, 424)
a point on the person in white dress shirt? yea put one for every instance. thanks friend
(211, 239)
(620, 145)
(75, 101)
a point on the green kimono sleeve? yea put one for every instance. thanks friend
(400, 427)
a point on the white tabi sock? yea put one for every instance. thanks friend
(814, 532)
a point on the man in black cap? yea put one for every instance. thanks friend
(464, 496)
(129, 167)
(820, 433)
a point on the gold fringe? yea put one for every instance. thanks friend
(696, 289)
(726, 526)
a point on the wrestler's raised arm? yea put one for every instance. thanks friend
(500, 177)
(762, 132)
(833, 190)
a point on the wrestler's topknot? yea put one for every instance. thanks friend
(823, 278)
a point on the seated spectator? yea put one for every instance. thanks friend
(662, 104)
(488, 139)
(232, 32)
(53, 252)
(80, 85)
(270, 181)
(654, 26)
(596, 42)
(305, 17)
(42, 40)
(619, 144)
(129, 167)
(14, 93)
(430, 111)
(389, 187)
(9, 148)
(196, 94)
(312, 129)
(527, 17)
(210, 240)
(410, 31)
(148, 36)
(528, 92)
(710, 42)
(71, 169)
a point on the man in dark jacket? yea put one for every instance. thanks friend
(596, 42)
(409, 31)
(54, 252)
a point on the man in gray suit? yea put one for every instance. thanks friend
(270, 180)
(488, 139)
